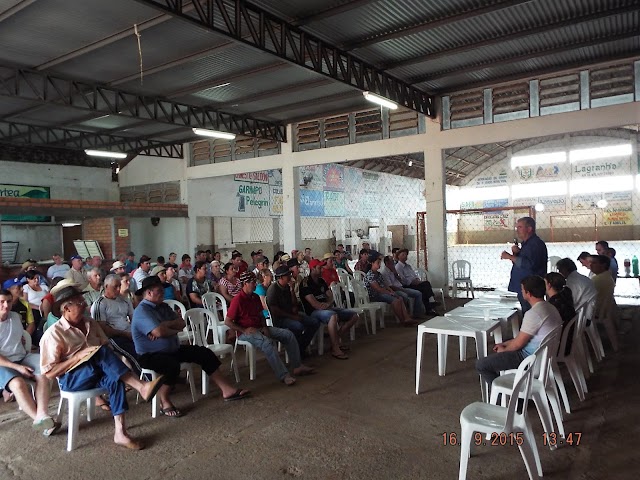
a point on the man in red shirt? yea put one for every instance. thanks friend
(244, 316)
(236, 259)
(329, 272)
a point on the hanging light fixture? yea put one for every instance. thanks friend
(214, 133)
(385, 102)
(105, 154)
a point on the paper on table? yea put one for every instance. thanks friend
(86, 358)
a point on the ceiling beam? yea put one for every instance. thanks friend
(18, 7)
(276, 92)
(521, 57)
(404, 31)
(308, 103)
(473, 44)
(331, 12)
(21, 134)
(258, 29)
(54, 90)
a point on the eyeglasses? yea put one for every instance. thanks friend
(82, 304)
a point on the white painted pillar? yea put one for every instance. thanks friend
(291, 235)
(382, 236)
(436, 216)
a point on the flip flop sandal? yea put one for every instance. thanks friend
(44, 423)
(345, 348)
(47, 432)
(172, 412)
(239, 394)
(340, 357)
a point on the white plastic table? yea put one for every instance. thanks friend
(493, 302)
(478, 329)
(506, 316)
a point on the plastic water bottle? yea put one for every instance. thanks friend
(634, 263)
(627, 267)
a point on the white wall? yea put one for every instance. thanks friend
(169, 236)
(144, 170)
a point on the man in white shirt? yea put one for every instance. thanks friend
(58, 269)
(409, 279)
(538, 321)
(582, 288)
(16, 365)
(392, 280)
(77, 274)
(142, 271)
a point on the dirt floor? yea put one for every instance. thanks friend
(355, 419)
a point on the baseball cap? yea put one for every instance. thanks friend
(76, 257)
(7, 284)
(315, 262)
(117, 264)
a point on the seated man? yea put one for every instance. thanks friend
(392, 280)
(409, 279)
(94, 290)
(58, 269)
(16, 365)
(114, 312)
(317, 299)
(155, 329)
(329, 271)
(585, 260)
(77, 273)
(538, 321)
(582, 288)
(283, 306)
(245, 317)
(74, 350)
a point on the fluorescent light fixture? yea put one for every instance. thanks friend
(385, 102)
(71, 224)
(602, 203)
(540, 189)
(214, 133)
(622, 183)
(410, 163)
(489, 193)
(105, 154)
(539, 207)
(538, 159)
(600, 152)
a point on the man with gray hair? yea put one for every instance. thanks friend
(94, 289)
(530, 258)
(114, 312)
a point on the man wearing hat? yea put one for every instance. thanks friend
(244, 316)
(16, 365)
(317, 299)
(19, 305)
(58, 269)
(77, 274)
(31, 265)
(155, 329)
(261, 263)
(329, 272)
(283, 305)
(117, 267)
(74, 350)
(171, 292)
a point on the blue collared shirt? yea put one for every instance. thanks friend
(146, 317)
(531, 260)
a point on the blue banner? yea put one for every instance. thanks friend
(311, 203)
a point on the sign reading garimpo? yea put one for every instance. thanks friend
(24, 191)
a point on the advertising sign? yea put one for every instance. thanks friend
(24, 191)
(311, 203)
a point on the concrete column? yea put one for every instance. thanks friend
(435, 179)
(276, 237)
(292, 236)
(382, 236)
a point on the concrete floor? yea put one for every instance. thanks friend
(355, 419)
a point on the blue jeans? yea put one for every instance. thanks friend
(489, 367)
(268, 346)
(384, 297)
(324, 316)
(103, 370)
(407, 293)
(304, 329)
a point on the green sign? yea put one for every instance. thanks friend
(24, 191)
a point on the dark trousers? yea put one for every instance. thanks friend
(490, 366)
(304, 329)
(168, 364)
(427, 292)
(103, 370)
(125, 347)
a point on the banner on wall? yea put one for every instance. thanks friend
(333, 177)
(501, 178)
(253, 177)
(311, 203)
(333, 204)
(498, 220)
(540, 173)
(585, 202)
(312, 177)
(24, 191)
(618, 210)
(275, 200)
(601, 168)
(556, 203)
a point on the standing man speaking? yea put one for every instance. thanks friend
(530, 258)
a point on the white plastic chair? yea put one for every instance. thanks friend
(187, 367)
(591, 331)
(184, 335)
(543, 391)
(372, 308)
(343, 275)
(606, 316)
(74, 400)
(336, 290)
(202, 321)
(358, 275)
(461, 273)
(424, 275)
(571, 360)
(494, 420)
(553, 261)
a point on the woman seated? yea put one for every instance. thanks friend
(379, 292)
(230, 285)
(265, 277)
(560, 296)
